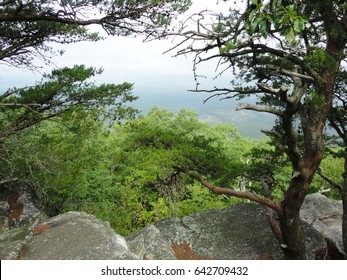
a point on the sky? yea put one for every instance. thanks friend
(128, 59)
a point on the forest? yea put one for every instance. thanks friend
(80, 145)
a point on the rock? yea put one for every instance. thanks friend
(325, 215)
(150, 244)
(18, 215)
(240, 232)
(4, 209)
(18, 209)
(76, 236)
(12, 242)
(30, 214)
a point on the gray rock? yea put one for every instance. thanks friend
(325, 215)
(17, 209)
(150, 244)
(31, 214)
(4, 208)
(76, 236)
(18, 215)
(239, 232)
(12, 242)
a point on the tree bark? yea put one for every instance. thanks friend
(344, 205)
(293, 238)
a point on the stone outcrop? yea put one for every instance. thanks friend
(325, 215)
(239, 232)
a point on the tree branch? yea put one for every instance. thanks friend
(6, 181)
(246, 195)
(259, 108)
(289, 73)
(252, 49)
(226, 91)
(278, 91)
(18, 105)
(328, 180)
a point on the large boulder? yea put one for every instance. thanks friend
(240, 232)
(325, 215)
(76, 236)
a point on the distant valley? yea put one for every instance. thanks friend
(214, 111)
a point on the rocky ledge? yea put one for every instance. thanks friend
(238, 232)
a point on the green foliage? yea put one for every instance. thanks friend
(126, 174)
(320, 60)
(199, 199)
(63, 90)
(314, 100)
(281, 16)
(333, 168)
(165, 139)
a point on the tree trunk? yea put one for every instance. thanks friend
(344, 203)
(293, 238)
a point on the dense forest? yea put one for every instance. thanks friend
(80, 145)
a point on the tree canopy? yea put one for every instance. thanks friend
(62, 90)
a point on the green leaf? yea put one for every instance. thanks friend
(290, 35)
(299, 24)
(263, 28)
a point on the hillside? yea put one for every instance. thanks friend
(214, 111)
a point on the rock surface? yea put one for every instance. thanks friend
(76, 236)
(240, 232)
(325, 215)
(18, 215)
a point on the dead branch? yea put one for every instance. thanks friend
(276, 206)
(259, 108)
(329, 180)
(7, 181)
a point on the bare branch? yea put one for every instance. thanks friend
(7, 181)
(277, 91)
(226, 91)
(259, 108)
(246, 195)
(18, 105)
(329, 180)
(289, 73)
